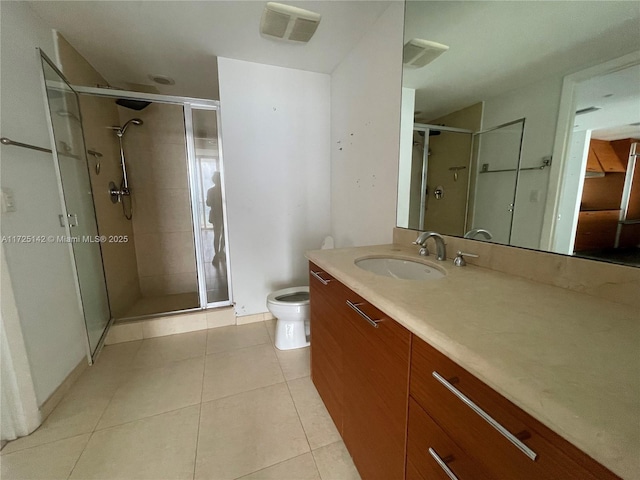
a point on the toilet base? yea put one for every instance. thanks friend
(291, 334)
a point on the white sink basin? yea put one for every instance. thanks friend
(399, 268)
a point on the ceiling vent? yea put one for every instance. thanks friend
(288, 23)
(418, 53)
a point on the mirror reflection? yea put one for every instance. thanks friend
(520, 124)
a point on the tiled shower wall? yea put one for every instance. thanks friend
(162, 224)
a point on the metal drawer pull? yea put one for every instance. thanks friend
(442, 465)
(355, 306)
(486, 417)
(317, 275)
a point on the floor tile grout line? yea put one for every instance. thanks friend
(274, 465)
(195, 453)
(236, 349)
(306, 436)
(117, 389)
(64, 437)
(46, 443)
(244, 391)
(75, 464)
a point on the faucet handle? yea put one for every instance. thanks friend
(459, 261)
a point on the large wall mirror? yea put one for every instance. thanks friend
(521, 124)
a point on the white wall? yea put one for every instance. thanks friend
(275, 128)
(43, 284)
(539, 104)
(406, 156)
(571, 193)
(365, 133)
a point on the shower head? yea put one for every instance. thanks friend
(135, 121)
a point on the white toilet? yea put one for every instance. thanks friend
(290, 306)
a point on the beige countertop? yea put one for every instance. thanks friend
(570, 360)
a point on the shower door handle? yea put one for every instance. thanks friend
(71, 220)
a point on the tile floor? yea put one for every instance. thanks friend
(215, 404)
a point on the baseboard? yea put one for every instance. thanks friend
(162, 325)
(254, 318)
(54, 399)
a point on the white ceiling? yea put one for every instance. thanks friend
(497, 46)
(618, 97)
(128, 40)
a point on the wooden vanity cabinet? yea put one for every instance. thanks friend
(360, 369)
(435, 379)
(400, 420)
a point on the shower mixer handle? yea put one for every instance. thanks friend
(117, 193)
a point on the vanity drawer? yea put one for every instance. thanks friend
(427, 444)
(437, 384)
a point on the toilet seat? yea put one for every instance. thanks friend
(290, 296)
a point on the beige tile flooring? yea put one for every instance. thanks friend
(214, 404)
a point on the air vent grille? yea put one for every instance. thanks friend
(288, 23)
(418, 53)
(274, 23)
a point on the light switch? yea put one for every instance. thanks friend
(8, 200)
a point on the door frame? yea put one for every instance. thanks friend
(562, 140)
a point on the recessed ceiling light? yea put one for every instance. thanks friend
(162, 79)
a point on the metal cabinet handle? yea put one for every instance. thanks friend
(442, 465)
(486, 417)
(354, 306)
(317, 275)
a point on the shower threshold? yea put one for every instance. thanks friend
(161, 304)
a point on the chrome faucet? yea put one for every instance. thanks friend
(440, 246)
(478, 231)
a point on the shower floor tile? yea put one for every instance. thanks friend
(163, 304)
(155, 421)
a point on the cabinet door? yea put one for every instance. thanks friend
(326, 341)
(438, 385)
(431, 454)
(376, 364)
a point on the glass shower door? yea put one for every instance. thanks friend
(80, 224)
(496, 169)
(210, 209)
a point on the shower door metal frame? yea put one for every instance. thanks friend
(92, 353)
(195, 206)
(188, 105)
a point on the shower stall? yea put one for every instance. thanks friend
(142, 184)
